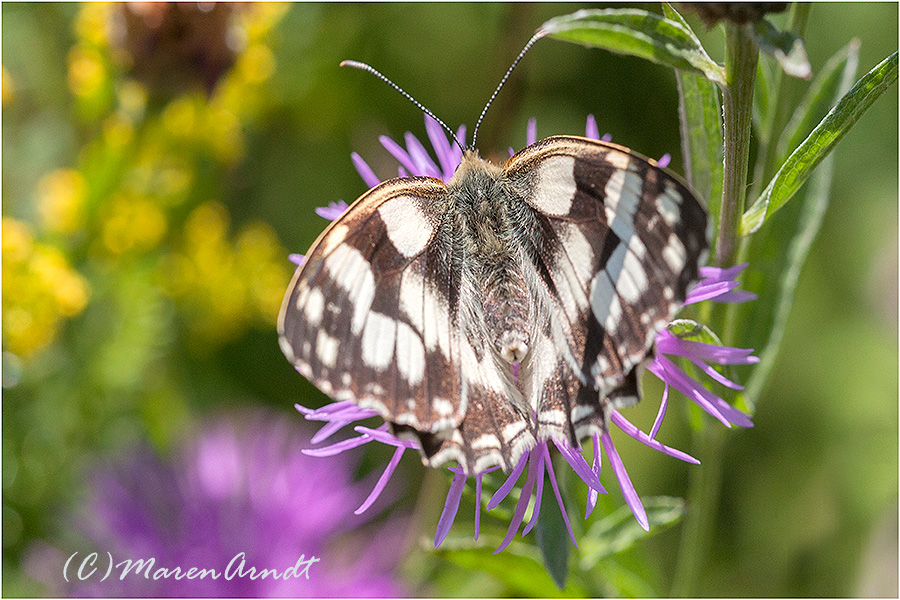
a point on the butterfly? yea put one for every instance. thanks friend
(510, 305)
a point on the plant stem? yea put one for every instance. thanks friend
(741, 60)
(737, 107)
(703, 499)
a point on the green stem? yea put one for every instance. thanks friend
(703, 499)
(741, 60)
(737, 107)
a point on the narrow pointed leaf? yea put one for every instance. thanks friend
(785, 46)
(619, 531)
(700, 112)
(763, 93)
(700, 116)
(803, 161)
(552, 538)
(762, 324)
(638, 33)
(818, 98)
(518, 567)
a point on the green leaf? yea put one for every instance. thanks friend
(818, 98)
(620, 581)
(801, 163)
(700, 116)
(762, 324)
(700, 113)
(785, 46)
(553, 539)
(763, 92)
(619, 530)
(638, 33)
(518, 567)
(688, 329)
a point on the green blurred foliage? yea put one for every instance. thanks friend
(173, 212)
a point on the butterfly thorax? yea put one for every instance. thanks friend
(483, 198)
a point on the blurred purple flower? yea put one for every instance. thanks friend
(717, 284)
(238, 488)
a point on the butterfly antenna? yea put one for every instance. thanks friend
(509, 71)
(364, 67)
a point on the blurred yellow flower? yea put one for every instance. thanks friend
(87, 72)
(93, 22)
(261, 260)
(223, 130)
(9, 87)
(61, 196)
(260, 17)
(226, 286)
(40, 289)
(69, 290)
(173, 182)
(180, 117)
(118, 130)
(132, 223)
(17, 241)
(133, 98)
(207, 224)
(256, 64)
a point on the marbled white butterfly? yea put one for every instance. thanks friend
(512, 304)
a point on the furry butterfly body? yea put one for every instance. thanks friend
(511, 304)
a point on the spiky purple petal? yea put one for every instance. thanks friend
(451, 505)
(559, 501)
(580, 466)
(590, 128)
(333, 210)
(631, 430)
(510, 482)
(631, 497)
(382, 481)
(539, 488)
(521, 506)
(365, 171)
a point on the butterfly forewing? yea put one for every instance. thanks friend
(617, 243)
(362, 319)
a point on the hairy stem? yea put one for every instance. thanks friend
(737, 100)
(741, 60)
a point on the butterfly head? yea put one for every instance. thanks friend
(472, 168)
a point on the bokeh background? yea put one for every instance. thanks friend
(155, 181)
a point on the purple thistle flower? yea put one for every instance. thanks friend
(717, 284)
(237, 488)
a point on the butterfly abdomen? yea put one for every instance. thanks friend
(483, 199)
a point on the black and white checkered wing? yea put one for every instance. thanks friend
(615, 243)
(363, 318)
